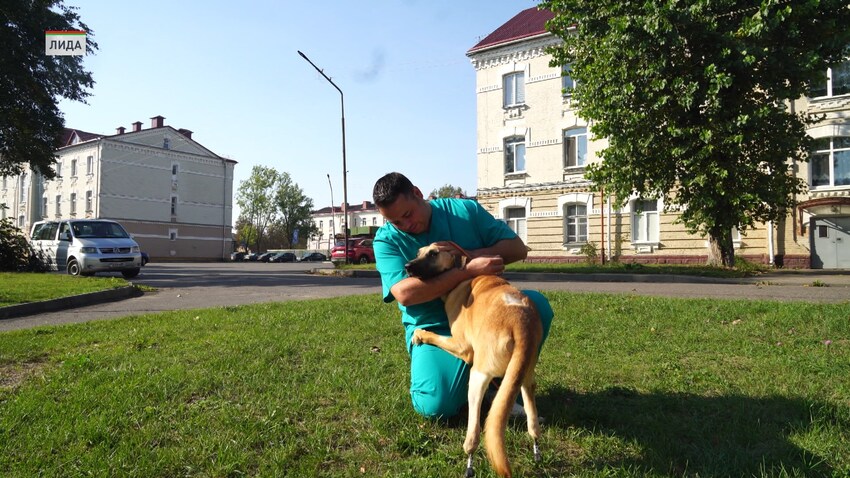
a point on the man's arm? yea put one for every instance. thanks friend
(485, 261)
(412, 290)
(511, 250)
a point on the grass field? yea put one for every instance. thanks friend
(629, 386)
(19, 288)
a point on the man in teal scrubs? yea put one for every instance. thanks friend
(438, 380)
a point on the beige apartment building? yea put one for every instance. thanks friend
(363, 220)
(533, 148)
(170, 192)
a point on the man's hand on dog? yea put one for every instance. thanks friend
(477, 265)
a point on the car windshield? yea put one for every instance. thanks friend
(98, 229)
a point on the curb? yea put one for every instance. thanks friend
(838, 278)
(565, 277)
(63, 303)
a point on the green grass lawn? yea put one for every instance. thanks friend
(629, 386)
(20, 288)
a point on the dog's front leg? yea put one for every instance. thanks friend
(459, 349)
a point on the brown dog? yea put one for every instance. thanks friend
(497, 330)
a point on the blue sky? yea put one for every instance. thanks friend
(230, 72)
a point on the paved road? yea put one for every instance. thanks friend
(193, 286)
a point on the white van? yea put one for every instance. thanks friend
(86, 246)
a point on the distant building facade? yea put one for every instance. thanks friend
(171, 193)
(533, 149)
(363, 220)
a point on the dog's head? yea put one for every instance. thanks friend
(430, 262)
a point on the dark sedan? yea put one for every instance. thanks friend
(314, 257)
(283, 257)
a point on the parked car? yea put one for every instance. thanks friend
(359, 251)
(264, 257)
(314, 257)
(86, 246)
(252, 257)
(237, 256)
(283, 257)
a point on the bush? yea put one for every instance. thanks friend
(16, 252)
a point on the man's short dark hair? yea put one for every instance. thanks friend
(390, 187)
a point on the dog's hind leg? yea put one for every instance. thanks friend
(530, 405)
(478, 382)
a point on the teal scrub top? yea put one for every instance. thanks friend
(463, 221)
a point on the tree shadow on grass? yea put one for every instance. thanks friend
(688, 435)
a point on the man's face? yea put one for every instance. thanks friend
(410, 214)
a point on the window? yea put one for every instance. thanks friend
(837, 82)
(90, 165)
(514, 154)
(173, 205)
(73, 168)
(166, 143)
(22, 188)
(321, 225)
(88, 201)
(568, 83)
(58, 204)
(363, 221)
(73, 203)
(44, 206)
(374, 221)
(513, 86)
(515, 217)
(172, 234)
(174, 169)
(575, 147)
(58, 169)
(830, 162)
(575, 223)
(5, 184)
(645, 220)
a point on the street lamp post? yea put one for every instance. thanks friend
(344, 172)
(333, 216)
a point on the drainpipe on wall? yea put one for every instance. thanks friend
(602, 221)
(608, 236)
(224, 228)
(770, 242)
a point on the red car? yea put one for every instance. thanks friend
(359, 251)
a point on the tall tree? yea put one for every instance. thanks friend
(448, 191)
(294, 212)
(32, 83)
(256, 200)
(691, 96)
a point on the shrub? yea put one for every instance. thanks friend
(16, 252)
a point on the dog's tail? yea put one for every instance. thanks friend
(522, 359)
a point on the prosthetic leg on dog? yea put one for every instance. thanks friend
(497, 330)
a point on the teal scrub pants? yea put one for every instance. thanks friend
(439, 381)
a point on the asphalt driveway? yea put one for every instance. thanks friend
(201, 285)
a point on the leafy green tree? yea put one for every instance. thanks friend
(294, 212)
(256, 200)
(448, 191)
(31, 83)
(691, 96)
